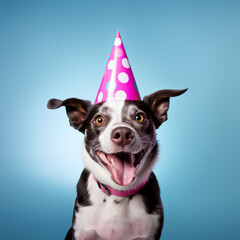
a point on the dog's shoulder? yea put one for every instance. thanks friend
(151, 195)
(152, 200)
(83, 197)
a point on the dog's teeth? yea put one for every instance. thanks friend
(112, 160)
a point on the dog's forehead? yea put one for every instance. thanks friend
(118, 108)
(111, 108)
(130, 108)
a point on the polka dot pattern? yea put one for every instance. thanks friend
(110, 64)
(120, 95)
(111, 86)
(118, 52)
(117, 41)
(118, 82)
(123, 77)
(125, 63)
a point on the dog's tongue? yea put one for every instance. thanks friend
(123, 170)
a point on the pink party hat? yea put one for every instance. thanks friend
(118, 82)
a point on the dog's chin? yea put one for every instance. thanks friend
(121, 165)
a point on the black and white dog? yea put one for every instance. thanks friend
(118, 196)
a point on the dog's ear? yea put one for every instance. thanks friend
(159, 103)
(77, 110)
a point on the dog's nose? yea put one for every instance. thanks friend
(122, 136)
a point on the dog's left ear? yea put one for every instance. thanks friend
(159, 103)
(77, 110)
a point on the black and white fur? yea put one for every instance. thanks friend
(98, 215)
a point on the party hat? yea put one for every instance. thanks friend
(118, 82)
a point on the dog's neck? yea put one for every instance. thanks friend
(110, 191)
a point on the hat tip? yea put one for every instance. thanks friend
(118, 33)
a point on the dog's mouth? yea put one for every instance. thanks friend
(122, 165)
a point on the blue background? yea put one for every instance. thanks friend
(60, 49)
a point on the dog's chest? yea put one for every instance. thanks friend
(115, 217)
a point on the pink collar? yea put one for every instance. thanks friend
(108, 190)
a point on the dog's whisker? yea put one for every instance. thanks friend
(147, 136)
(149, 144)
(153, 143)
(147, 139)
(147, 148)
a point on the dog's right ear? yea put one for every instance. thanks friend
(77, 110)
(159, 103)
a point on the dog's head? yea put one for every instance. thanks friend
(120, 146)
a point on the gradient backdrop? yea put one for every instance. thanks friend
(60, 49)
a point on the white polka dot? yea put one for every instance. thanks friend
(118, 52)
(117, 42)
(100, 96)
(125, 63)
(120, 95)
(123, 77)
(110, 64)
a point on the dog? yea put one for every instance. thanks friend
(118, 195)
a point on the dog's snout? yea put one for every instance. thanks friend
(122, 136)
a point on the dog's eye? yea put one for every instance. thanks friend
(99, 120)
(139, 117)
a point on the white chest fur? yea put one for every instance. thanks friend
(114, 218)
